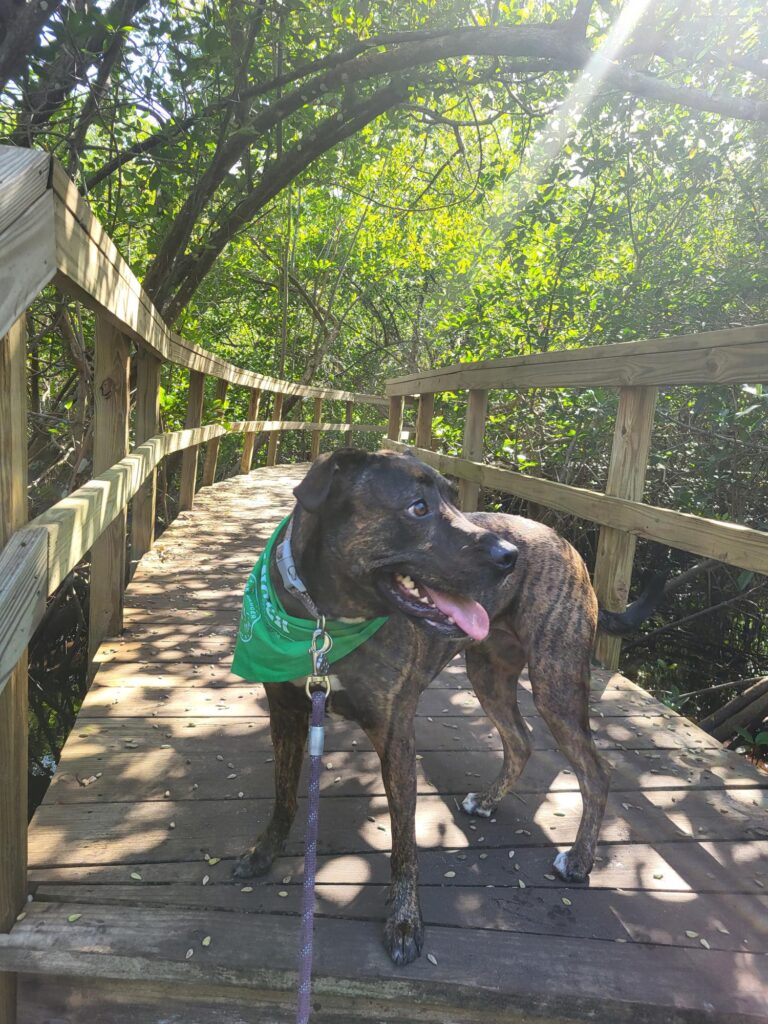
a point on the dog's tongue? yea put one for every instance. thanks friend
(466, 613)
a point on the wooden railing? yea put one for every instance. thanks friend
(637, 369)
(48, 234)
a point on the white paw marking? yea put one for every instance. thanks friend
(471, 804)
(560, 864)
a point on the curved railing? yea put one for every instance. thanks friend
(48, 234)
(637, 369)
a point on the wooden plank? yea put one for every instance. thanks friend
(395, 424)
(274, 437)
(28, 260)
(424, 417)
(147, 424)
(24, 177)
(194, 418)
(537, 909)
(111, 410)
(317, 433)
(727, 542)
(13, 698)
(76, 521)
(732, 356)
(23, 590)
(347, 435)
(212, 448)
(473, 445)
(104, 833)
(675, 867)
(249, 438)
(626, 479)
(258, 951)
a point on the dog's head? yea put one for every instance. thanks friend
(390, 527)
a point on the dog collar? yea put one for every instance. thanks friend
(289, 574)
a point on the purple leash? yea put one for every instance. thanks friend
(319, 695)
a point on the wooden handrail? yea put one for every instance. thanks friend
(732, 356)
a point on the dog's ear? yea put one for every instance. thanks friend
(316, 485)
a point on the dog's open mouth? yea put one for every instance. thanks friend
(450, 614)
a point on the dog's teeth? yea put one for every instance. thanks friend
(408, 582)
(451, 619)
(425, 600)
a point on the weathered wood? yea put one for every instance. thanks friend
(727, 542)
(274, 438)
(424, 421)
(626, 479)
(194, 418)
(735, 705)
(347, 435)
(395, 425)
(91, 268)
(13, 698)
(23, 590)
(24, 177)
(212, 448)
(734, 355)
(474, 434)
(251, 951)
(317, 434)
(147, 424)
(74, 523)
(111, 409)
(28, 259)
(249, 438)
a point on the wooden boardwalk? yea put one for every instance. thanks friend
(167, 777)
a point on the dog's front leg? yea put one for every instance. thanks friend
(289, 721)
(395, 744)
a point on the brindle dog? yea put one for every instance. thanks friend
(378, 534)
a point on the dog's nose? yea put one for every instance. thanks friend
(503, 554)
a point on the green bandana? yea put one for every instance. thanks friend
(273, 646)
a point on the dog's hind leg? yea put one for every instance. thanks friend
(289, 722)
(561, 694)
(493, 669)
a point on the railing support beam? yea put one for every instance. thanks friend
(474, 434)
(13, 699)
(424, 421)
(189, 458)
(212, 448)
(249, 438)
(626, 479)
(274, 437)
(395, 427)
(111, 398)
(317, 417)
(147, 424)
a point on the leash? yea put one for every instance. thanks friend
(318, 688)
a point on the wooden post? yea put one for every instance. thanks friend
(317, 417)
(212, 448)
(249, 439)
(424, 421)
(395, 427)
(13, 699)
(348, 419)
(189, 458)
(474, 433)
(111, 408)
(274, 437)
(147, 424)
(626, 479)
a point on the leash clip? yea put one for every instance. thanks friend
(322, 642)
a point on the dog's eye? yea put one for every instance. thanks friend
(419, 508)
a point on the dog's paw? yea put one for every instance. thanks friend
(403, 939)
(253, 863)
(567, 867)
(472, 804)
